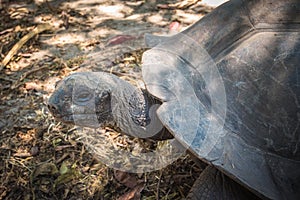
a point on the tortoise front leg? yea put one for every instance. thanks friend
(213, 184)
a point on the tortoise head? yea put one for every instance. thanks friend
(82, 99)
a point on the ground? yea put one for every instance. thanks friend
(42, 42)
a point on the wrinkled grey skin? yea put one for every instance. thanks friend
(96, 99)
(99, 99)
(255, 47)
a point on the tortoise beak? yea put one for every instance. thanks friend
(54, 110)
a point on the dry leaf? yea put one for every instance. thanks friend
(127, 179)
(133, 194)
(119, 39)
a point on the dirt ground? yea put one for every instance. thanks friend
(42, 42)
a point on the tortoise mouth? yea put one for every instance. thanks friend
(64, 118)
(91, 120)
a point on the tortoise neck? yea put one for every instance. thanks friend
(134, 110)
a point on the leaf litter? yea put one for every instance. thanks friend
(41, 158)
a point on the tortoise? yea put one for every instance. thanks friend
(227, 88)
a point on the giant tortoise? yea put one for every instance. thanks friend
(227, 88)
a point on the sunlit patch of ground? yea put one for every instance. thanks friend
(41, 158)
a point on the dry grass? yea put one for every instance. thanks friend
(43, 159)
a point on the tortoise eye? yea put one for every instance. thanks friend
(83, 96)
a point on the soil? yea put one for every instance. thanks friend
(41, 158)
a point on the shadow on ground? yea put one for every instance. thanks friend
(43, 159)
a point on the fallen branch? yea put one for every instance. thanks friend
(40, 28)
(18, 83)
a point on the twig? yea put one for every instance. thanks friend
(158, 184)
(7, 79)
(40, 28)
(18, 82)
(6, 31)
(120, 73)
(180, 5)
(53, 10)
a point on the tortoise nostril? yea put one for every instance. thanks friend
(52, 107)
